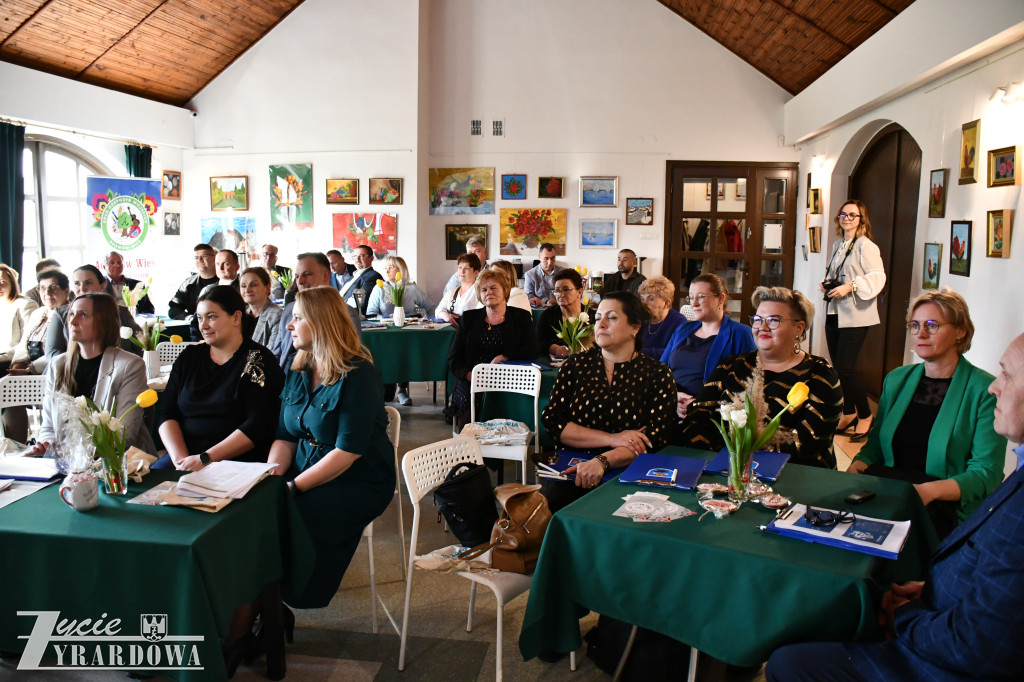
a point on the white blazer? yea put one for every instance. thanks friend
(864, 266)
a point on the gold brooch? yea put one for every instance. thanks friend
(254, 368)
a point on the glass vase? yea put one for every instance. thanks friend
(739, 476)
(115, 481)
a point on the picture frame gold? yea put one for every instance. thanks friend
(229, 193)
(816, 201)
(998, 229)
(970, 135)
(342, 191)
(1004, 166)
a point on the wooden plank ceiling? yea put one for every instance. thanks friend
(168, 50)
(165, 50)
(793, 42)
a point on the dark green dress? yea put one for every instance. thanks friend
(348, 415)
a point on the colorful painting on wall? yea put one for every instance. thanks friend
(229, 193)
(170, 185)
(639, 211)
(960, 247)
(513, 186)
(599, 190)
(598, 233)
(172, 224)
(969, 153)
(379, 231)
(932, 266)
(524, 229)
(456, 237)
(386, 191)
(1000, 227)
(291, 197)
(461, 191)
(343, 191)
(235, 233)
(938, 179)
(1003, 168)
(550, 188)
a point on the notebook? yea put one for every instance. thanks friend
(664, 471)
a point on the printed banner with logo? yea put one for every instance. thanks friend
(124, 212)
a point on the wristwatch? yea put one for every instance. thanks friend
(854, 285)
(204, 458)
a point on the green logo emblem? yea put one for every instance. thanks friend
(124, 223)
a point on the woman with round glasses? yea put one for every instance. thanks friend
(934, 424)
(780, 323)
(568, 293)
(853, 279)
(697, 347)
(657, 295)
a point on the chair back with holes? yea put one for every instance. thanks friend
(21, 390)
(425, 467)
(167, 352)
(522, 379)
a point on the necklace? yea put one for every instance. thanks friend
(652, 327)
(489, 325)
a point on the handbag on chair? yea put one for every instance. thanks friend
(466, 502)
(519, 531)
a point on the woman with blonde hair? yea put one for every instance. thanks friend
(657, 294)
(332, 444)
(14, 313)
(381, 301)
(517, 297)
(934, 424)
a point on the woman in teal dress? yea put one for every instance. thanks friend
(332, 442)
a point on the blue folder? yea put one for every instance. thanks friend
(767, 465)
(664, 471)
(567, 458)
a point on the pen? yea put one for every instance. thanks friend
(675, 472)
(766, 529)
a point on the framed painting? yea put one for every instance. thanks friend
(170, 185)
(969, 136)
(291, 197)
(598, 233)
(999, 228)
(1002, 167)
(639, 211)
(456, 237)
(931, 266)
(379, 231)
(741, 188)
(960, 247)
(814, 238)
(513, 186)
(938, 179)
(523, 230)
(808, 188)
(172, 224)
(232, 232)
(550, 187)
(816, 201)
(721, 191)
(229, 193)
(599, 190)
(386, 191)
(343, 191)
(461, 191)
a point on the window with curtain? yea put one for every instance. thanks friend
(56, 214)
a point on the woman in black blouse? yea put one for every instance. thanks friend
(611, 400)
(568, 293)
(223, 396)
(490, 334)
(780, 323)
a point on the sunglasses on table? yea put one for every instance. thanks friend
(823, 518)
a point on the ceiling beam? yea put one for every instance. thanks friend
(25, 23)
(810, 23)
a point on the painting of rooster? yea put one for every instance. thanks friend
(960, 248)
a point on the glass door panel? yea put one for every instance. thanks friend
(697, 194)
(774, 195)
(771, 273)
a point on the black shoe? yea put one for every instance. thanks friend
(246, 647)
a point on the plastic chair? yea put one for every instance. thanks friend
(425, 468)
(16, 391)
(167, 352)
(521, 379)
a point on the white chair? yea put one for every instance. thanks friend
(521, 379)
(167, 352)
(15, 391)
(425, 469)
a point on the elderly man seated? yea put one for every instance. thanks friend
(966, 620)
(268, 258)
(116, 282)
(540, 280)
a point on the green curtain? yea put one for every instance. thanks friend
(12, 194)
(138, 160)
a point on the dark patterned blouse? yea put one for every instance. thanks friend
(811, 426)
(642, 394)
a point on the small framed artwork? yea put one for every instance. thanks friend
(816, 201)
(639, 211)
(550, 187)
(513, 186)
(386, 191)
(170, 185)
(960, 247)
(808, 190)
(937, 193)
(598, 233)
(229, 192)
(721, 191)
(814, 237)
(172, 224)
(343, 191)
(932, 266)
(741, 188)
(456, 237)
(1000, 225)
(1002, 167)
(969, 136)
(599, 190)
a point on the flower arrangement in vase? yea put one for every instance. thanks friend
(108, 437)
(396, 292)
(131, 297)
(285, 278)
(575, 331)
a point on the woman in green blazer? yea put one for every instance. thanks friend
(934, 422)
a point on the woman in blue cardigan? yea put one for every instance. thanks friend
(934, 425)
(697, 348)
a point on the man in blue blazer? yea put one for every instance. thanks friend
(966, 620)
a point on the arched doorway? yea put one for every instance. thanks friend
(887, 178)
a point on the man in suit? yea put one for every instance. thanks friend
(116, 282)
(966, 620)
(365, 278)
(341, 272)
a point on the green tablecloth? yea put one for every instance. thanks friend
(537, 312)
(410, 353)
(127, 560)
(520, 407)
(722, 586)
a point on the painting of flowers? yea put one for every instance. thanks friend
(525, 229)
(1000, 226)
(379, 231)
(1002, 167)
(386, 191)
(291, 201)
(550, 187)
(229, 193)
(932, 266)
(960, 247)
(937, 193)
(461, 191)
(513, 186)
(345, 191)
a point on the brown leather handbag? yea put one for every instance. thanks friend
(519, 531)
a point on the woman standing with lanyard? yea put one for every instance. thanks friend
(853, 279)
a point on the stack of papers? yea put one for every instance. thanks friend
(870, 536)
(225, 479)
(651, 507)
(28, 468)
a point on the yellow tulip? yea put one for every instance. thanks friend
(175, 339)
(586, 301)
(147, 398)
(398, 276)
(380, 284)
(273, 273)
(584, 272)
(577, 268)
(798, 395)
